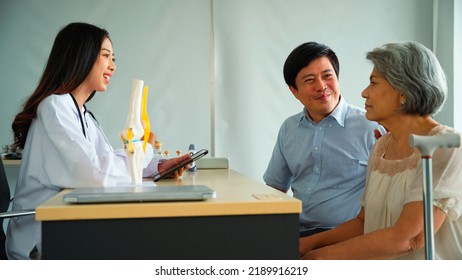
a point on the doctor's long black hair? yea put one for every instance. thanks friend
(71, 59)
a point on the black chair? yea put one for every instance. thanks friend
(5, 198)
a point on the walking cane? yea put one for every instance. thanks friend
(427, 145)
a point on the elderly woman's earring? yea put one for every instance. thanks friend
(403, 100)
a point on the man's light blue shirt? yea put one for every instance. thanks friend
(323, 163)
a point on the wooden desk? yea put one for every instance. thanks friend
(11, 162)
(247, 220)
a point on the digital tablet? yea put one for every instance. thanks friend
(169, 171)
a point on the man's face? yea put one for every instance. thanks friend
(317, 88)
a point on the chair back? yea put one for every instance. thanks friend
(5, 197)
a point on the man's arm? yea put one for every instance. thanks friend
(284, 191)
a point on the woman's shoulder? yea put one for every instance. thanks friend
(55, 100)
(379, 147)
(53, 105)
(443, 129)
(383, 140)
(450, 151)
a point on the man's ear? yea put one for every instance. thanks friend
(294, 91)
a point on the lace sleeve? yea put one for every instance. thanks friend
(447, 181)
(451, 206)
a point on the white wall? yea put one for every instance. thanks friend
(253, 39)
(165, 43)
(457, 65)
(443, 46)
(168, 43)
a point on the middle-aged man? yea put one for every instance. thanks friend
(321, 153)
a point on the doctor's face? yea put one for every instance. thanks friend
(317, 88)
(102, 70)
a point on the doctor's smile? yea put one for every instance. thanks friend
(107, 77)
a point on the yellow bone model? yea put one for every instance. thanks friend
(145, 117)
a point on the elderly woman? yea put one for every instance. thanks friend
(407, 86)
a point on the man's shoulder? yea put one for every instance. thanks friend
(294, 118)
(355, 110)
(357, 115)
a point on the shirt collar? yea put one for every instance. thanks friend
(338, 114)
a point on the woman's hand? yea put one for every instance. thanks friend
(171, 162)
(152, 138)
(305, 245)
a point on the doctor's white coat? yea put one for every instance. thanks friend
(58, 155)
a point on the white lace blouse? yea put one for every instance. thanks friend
(390, 184)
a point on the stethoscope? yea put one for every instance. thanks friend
(95, 121)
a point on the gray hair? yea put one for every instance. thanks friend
(413, 70)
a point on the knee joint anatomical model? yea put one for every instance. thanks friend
(137, 126)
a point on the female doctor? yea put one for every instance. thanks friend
(62, 144)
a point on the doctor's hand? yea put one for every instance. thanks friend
(152, 138)
(171, 162)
